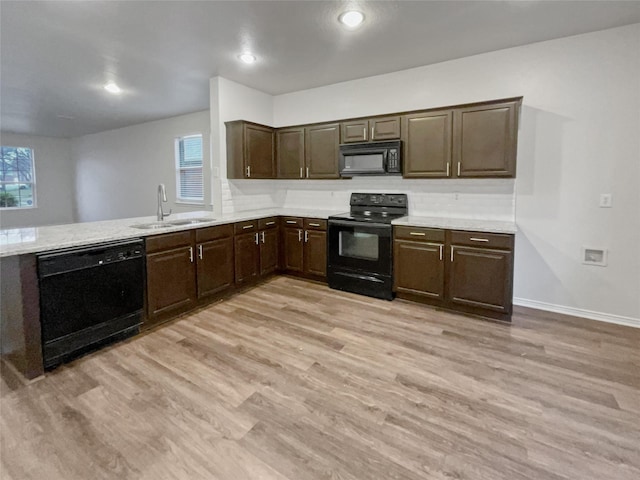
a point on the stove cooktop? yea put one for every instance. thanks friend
(370, 217)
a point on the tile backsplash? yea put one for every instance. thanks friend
(491, 199)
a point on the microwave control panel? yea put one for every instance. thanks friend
(392, 161)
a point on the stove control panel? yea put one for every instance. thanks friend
(379, 199)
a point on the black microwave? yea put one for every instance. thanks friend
(373, 158)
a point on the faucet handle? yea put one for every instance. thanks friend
(167, 214)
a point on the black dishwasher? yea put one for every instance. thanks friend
(89, 296)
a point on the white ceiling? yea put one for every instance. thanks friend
(57, 55)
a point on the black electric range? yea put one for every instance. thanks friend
(360, 257)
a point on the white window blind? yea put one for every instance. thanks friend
(17, 178)
(189, 175)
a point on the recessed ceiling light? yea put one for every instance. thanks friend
(351, 18)
(247, 58)
(112, 88)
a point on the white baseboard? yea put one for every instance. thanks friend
(579, 312)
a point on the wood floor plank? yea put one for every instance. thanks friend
(290, 380)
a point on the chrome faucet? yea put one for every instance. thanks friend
(162, 197)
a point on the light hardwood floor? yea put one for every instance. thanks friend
(294, 381)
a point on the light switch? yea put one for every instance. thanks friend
(605, 200)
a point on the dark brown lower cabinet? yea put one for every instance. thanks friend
(256, 249)
(305, 246)
(293, 250)
(269, 251)
(419, 268)
(315, 253)
(171, 282)
(480, 278)
(465, 271)
(215, 266)
(247, 257)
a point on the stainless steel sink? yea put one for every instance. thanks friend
(174, 223)
(153, 225)
(190, 221)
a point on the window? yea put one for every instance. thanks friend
(17, 178)
(189, 175)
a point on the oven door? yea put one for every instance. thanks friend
(361, 247)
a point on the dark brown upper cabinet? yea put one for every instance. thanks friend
(290, 152)
(322, 151)
(250, 150)
(485, 140)
(371, 130)
(427, 144)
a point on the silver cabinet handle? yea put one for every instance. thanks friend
(372, 136)
(417, 234)
(306, 236)
(247, 226)
(458, 168)
(476, 239)
(200, 251)
(441, 251)
(270, 223)
(191, 254)
(452, 253)
(248, 170)
(256, 238)
(448, 165)
(292, 221)
(299, 235)
(262, 236)
(301, 175)
(364, 132)
(307, 172)
(314, 224)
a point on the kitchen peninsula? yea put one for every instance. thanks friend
(21, 344)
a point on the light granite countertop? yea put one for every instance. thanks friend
(469, 224)
(20, 241)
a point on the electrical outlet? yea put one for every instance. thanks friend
(606, 200)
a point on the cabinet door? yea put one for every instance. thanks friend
(485, 140)
(293, 249)
(215, 266)
(171, 281)
(322, 143)
(315, 253)
(480, 277)
(427, 144)
(419, 268)
(356, 131)
(258, 145)
(247, 258)
(268, 251)
(385, 128)
(290, 153)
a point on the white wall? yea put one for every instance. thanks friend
(54, 182)
(579, 137)
(233, 101)
(118, 171)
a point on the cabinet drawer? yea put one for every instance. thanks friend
(480, 239)
(246, 227)
(213, 233)
(315, 224)
(295, 222)
(419, 234)
(157, 243)
(267, 223)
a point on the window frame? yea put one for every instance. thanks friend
(32, 182)
(179, 198)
